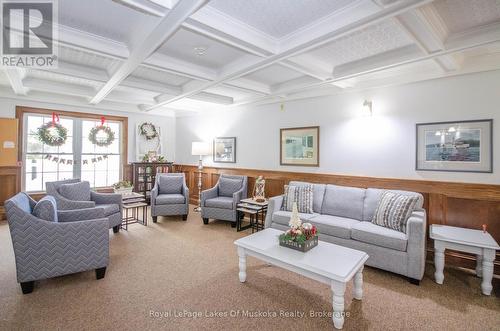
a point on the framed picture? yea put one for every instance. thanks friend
(300, 146)
(465, 146)
(225, 149)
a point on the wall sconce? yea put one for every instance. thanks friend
(367, 108)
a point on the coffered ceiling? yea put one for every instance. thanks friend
(173, 57)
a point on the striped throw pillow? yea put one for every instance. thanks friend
(303, 195)
(393, 210)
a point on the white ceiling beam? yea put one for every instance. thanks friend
(466, 43)
(213, 98)
(179, 67)
(375, 16)
(15, 77)
(426, 28)
(148, 85)
(163, 31)
(143, 6)
(249, 85)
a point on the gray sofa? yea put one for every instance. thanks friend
(343, 216)
(170, 196)
(49, 243)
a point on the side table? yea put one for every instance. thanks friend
(132, 205)
(253, 209)
(471, 241)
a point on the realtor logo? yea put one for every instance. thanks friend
(28, 33)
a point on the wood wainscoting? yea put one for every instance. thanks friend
(10, 184)
(458, 204)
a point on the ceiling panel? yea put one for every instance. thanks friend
(278, 18)
(104, 18)
(274, 74)
(159, 76)
(86, 59)
(236, 94)
(186, 45)
(375, 39)
(460, 15)
(47, 75)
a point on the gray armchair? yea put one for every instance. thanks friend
(170, 196)
(73, 194)
(48, 243)
(220, 201)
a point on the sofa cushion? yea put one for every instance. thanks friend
(393, 210)
(378, 235)
(283, 217)
(76, 191)
(334, 225)
(169, 199)
(170, 184)
(220, 202)
(343, 201)
(372, 199)
(46, 209)
(302, 195)
(229, 186)
(109, 209)
(318, 193)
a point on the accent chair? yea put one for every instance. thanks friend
(170, 196)
(74, 194)
(49, 243)
(220, 201)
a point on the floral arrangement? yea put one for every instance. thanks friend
(122, 184)
(52, 134)
(101, 135)
(299, 232)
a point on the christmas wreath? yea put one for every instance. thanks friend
(52, 134)
(148, 130)
(101, 135)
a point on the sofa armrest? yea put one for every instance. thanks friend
(416, 232)
(66, 204)
(237, 196)
(209, 194)
(80, 214)
(273, 206)
(185, 193)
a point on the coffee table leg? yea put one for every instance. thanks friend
(479, 265)
(488, 258)
(358, 284)
(439, 262)
(242, 264)
(338, 289)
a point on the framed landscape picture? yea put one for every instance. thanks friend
(225, 149)
(455, 146)
(300, 146)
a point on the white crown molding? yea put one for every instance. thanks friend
(15, 77)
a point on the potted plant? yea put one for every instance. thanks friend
(123, 187)
(301, 236)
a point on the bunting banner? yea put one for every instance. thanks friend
(61, 160)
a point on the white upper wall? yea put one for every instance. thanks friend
(381, 146)
(167, 124)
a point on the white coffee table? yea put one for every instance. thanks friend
(327, 263)
(465, 240)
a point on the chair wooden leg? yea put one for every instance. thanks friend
(155, 219)
(116, 229)
(99, 273)
(184, 217)
(27, 287)
(233, 224)
(205, 221)
(414, 281)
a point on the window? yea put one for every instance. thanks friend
(77, 158)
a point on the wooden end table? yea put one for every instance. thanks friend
(471, 241)
(253, 209)
(132, 204)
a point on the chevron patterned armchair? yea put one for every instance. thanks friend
(74, 194)
(170, 196)
(220, 201)
(48, 243)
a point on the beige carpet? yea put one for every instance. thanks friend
(176, 267)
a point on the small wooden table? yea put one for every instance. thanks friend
(253, 209)
(132, 203)
(465, 240)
